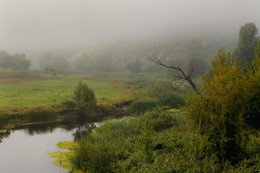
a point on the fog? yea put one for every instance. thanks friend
(40, 25)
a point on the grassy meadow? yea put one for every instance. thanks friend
(47, 89)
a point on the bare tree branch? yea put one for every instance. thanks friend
(181, 76)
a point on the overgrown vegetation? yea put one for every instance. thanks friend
(157, 141)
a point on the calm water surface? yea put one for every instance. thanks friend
(26, 150)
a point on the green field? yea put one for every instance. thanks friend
(50, 90)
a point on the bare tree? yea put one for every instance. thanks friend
(181, 75)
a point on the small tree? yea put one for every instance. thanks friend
(84, 97)
(245, 49)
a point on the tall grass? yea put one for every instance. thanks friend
(154, 142)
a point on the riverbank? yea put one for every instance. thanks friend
(68, 113)
(157, 141)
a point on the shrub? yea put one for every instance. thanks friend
(140, 106)
(93, 158)
(106, 145)
(170, 99)
(84, 97)
(159, 119)
(167, 95)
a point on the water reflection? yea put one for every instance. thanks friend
(4, 135)
(28, 145)
(21, 152)
(83, 131)
(82, 124)
(40, 128)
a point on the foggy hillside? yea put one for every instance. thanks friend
(119, 31)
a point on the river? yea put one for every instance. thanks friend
(26, 150)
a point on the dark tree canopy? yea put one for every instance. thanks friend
(14, 62)
(245, 49)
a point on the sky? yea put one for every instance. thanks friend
(27, 25)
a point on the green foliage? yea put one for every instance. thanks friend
(138, 148)
(84, 97)
(3, 120)
(147, 141)
(167, 95)
(40, 116)
(63, 157)
(257, 49)
(158, 119)
(139, 144)
(221, 109)
(245, 49)
(140, 106)
(254, 74)
(100, 150)
(93, 158)
(135, 66)
(15, 62)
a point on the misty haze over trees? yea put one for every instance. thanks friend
(15, 62)
(130, 86)
(106, 36)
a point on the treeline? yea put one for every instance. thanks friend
(122, 56)
(15, 62)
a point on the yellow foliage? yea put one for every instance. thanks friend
(62, 158)
(67, 145)
(228, 91)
